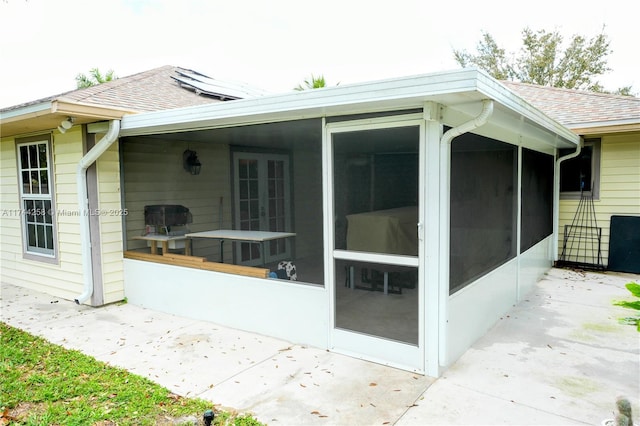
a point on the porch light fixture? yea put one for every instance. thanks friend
(65, 125)
(190, 162)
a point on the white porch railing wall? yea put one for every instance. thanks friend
(477, 307)
(293, 312)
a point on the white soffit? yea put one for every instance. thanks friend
(459, 88)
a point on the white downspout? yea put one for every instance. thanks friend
(445, 217)
(556, 199)
(487, 110)
(83, 205)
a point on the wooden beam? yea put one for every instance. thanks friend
(229, 268)
(182, 257)
(198, 263)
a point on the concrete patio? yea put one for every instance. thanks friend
(558, 357)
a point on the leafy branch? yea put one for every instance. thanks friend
(634, 288)
(94, 78)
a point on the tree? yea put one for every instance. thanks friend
(490, 58)
(543, 61)
(94, 78)
(313, 83)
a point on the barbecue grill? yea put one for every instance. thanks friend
(161, 218)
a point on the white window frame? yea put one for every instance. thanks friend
(595, 173)
(36, 206)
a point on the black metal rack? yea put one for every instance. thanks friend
(583, 238)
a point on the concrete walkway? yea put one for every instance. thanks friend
(559, 357)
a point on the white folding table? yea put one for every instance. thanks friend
(259, 237)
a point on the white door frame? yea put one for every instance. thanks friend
(401, 355)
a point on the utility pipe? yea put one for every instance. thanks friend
(83, 205)
(445, 216)
(556, 199)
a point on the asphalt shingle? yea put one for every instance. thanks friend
(571, 107)
(152, 90)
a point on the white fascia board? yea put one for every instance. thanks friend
(404, 92)
(608, 123)
(34, 109)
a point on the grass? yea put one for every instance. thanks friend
(46, 384)
(634, 288)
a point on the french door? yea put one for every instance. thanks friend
(262, 203)
(374, 182)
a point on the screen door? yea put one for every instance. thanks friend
(374, 202)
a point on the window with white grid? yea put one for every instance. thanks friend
(35, 173)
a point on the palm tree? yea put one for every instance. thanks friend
(313, 83)
(94, 78)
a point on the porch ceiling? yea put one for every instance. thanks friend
(279, 135)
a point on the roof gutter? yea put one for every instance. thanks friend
(445, 216)
(83, 205)
(556, 198)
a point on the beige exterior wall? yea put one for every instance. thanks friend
(619, 186)
(111, 222)
(154, 174)
(63, 278)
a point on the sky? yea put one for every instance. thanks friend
(277, 44)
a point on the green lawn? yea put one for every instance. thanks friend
(45, 384)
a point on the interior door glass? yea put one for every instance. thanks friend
(276, 203)
(262, 203)
(249, 205)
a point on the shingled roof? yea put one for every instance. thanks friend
(173, 87)
(576, 108)
(153, 90)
